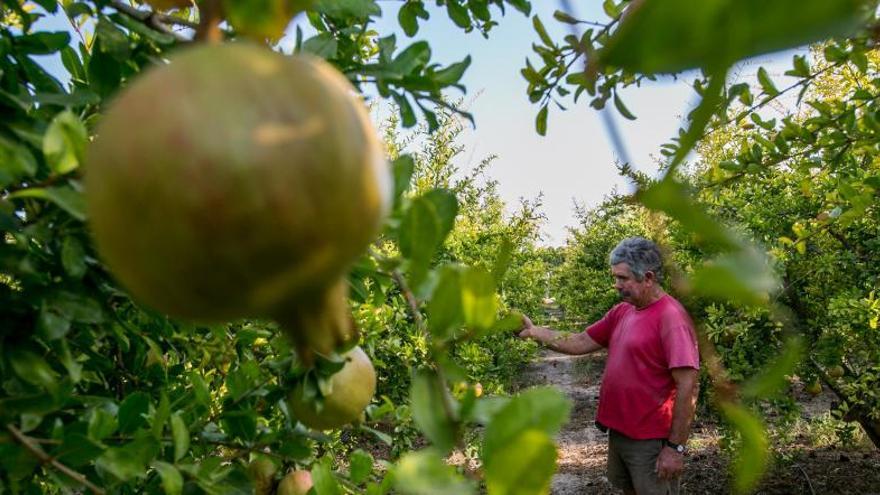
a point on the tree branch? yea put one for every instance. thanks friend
(154, 20)
(45, 458)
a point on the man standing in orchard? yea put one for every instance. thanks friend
(649, 388)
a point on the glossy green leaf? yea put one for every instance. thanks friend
(744, 276)
(33, 369)
(102, 424)
(618, 103)
(65, 142)
(324, 481)
(360, 466)
(772, 379)
(322, 45)
(65, 197)
(43, 43)
(673, 198)
(542, 31)
(543, 409)
(133, 411)
(427, 399)
(445, 311)
(114, 41)
(525, 467)
(541, 121)
(753, 454)
(479, 302)
(179, 436)
(425, 473)
(674, 35)
(128, 461)
(766, 83)
(73, 257)
(402, 168)
(172, 481)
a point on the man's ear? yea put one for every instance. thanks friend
(649, 275)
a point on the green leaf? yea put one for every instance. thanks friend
(452, 74)
(672, 198)
(744, 276)
(360, 466)
(445, 306)
(406, 16)
(753, 454)
(44, 43)
(403, 168)
(104, 72)
(543, 409)
(427, 398)
(407, 115)
(542, 31)
(525, 467)
(618, 103)
(114, 41)
(323, 45)
(479, 303)
(342, 9)
(766, 83)
(73, 257)
(262, 19)
(458, 13)
(129, 461)
(541, 121)
(324, 481)
(33, 369)
(240, 424)
(65, 197)
(172, 481)
(133, 411)
(564, 17)
(425, 473)
(771, 380)
(179, 436)
(102, 424)
(611, 9)
(675, 35)
(77, 450)
(16, 162)
(523, 6)
(412, 58)
(160, 417)
(64, 143)
(502, 260)
(142, 29)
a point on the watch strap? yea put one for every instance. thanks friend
(675, 446)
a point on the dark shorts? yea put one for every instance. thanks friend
(632, 466)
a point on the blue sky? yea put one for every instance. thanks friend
(575, 161)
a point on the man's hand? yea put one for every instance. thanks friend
(527, 329)
(670, 464)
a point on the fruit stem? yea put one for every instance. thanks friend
(210, 17)
(318, 323)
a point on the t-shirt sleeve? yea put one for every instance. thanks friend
(680, 342)
(601, 330)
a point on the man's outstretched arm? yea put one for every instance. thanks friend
(564, 342)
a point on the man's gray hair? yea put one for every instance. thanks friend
(641, 255)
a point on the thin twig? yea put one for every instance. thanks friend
(45, 458)
(155, 20)
(809, 483)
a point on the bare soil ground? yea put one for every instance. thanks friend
(583, 448)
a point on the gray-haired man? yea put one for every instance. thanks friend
(649, 388)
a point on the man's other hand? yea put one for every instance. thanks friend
(670, 464)
(526, 331)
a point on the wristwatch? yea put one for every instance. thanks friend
(681, 449)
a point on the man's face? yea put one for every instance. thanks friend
(630, 289)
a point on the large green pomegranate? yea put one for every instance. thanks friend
(238, 182)
(351, 390)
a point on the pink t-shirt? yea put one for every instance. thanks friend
(638, 391)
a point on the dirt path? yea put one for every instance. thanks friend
(804, 469)
(582, 447)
